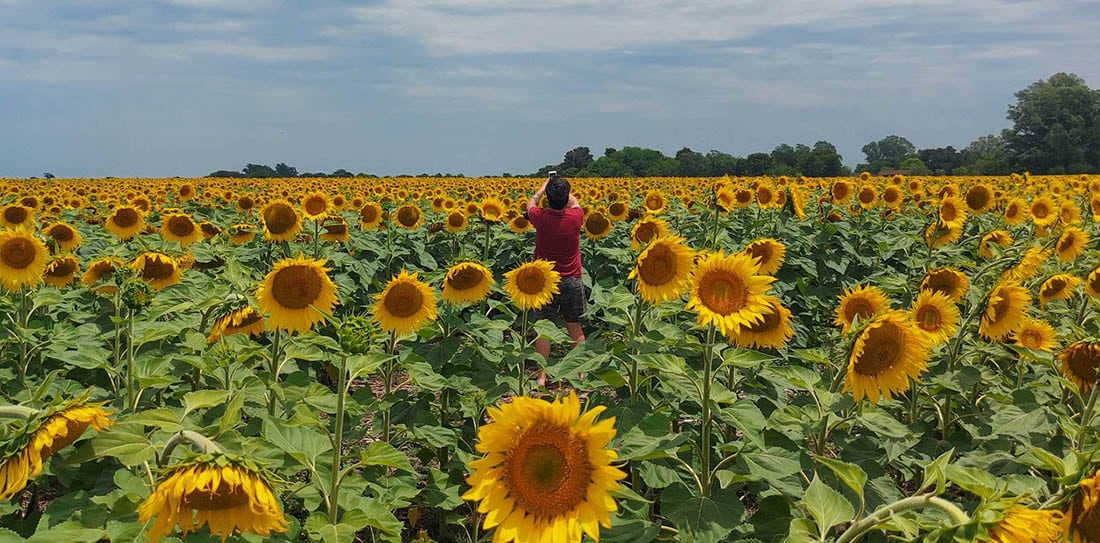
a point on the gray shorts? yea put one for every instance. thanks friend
(569, 303)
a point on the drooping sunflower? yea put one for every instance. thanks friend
(66, 237)
(16, 216)
(647, 230)
(370, 216)
(995, 237)
(773, 332)
(1079, 363)
(1057, 287)
(861, 302)
(532, 285)
(519, 224)
(408, 216)
(597, 225)
(405, 304)
(888, 352)
(1044, 211)
(245, 320)
(281, 222)
(663, 270)
(1004, 311)
(456, 221)
(1071, 244)
(315, 205)
(492, 210)
(297, 294)
(1023, 525)
(949, 281)
(728, 291)
(61, 271)
(42, 437)
(180, 228)
(769, 252)
(467, 282)
(546, 474)
(99, 271)
(209, 229)
(334, 229)
(1037, 334)
(936, 315)
(22, 259)
(938, 234)
(126, 222)
(654, 202)
(241, 234)
(1092, 283)
(1081, 522)
(157, 269)
(227, 495)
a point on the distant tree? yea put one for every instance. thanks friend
(718, 163)
(784, 159)
(756, 164)
(888, 153)
(577, 159)
(48, 175)
(690, 164)
(823, 161)
(226, 173)
(987, 155)
(545, 170)
(914, 164)
(641, 160)
(282, 170)
(1056, 126)
(606, 167)
(609, 151)
(344, 173)
(941, 160)
(258, 171)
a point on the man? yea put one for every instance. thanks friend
(558, 239)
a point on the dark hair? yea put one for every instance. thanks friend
(557, 192)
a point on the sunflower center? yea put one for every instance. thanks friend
(15, 214)
(531, 281)
(61, 233)
(226, 497)
(771, 321)
(126, 217)
(743, 196)
(315, 205)
(491, 211)
(654, 201)
(61, 268)
(1082, 364)
(723, 293)
(645, 232)
(548, 472)
(929, 318)
(280, 218)
(859, 307)
(245, 203)
(408, 216)
(465, 278)
(1067, 243)
(866, 196)
(296, 287)
(181, 226)
(999, 309)
(948, 213)
(403, 300)
(659, 265)
(617, 208)
(368, 214)
(761, 251)
(248, 319)
(1031, 339)
(336, 229)
(456, 220)
(18, 253)
(1040, 210)
(977, 198)
(881, 350)
(597, 224)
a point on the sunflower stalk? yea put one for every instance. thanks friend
(338, 439)
(859, 529)
(18, 412)
(708, 376)
(273, 368)
(199, 441)
(388, 385)
(521, 371)
(1086, 418)
(131, 368)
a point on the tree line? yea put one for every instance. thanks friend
(1055, 130)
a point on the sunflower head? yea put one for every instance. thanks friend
(889, 351)
(1037, 335)
(1004, 311)
(157, 269)
(979, 198)
(22, 259)
(1016, 212)
(456, 221)
(467, 282)
(862, 302)
(281, 222)
(62, 270)
(532, 285)
(935, 315)
(654, 202)
(597, 224)
(315, 205)
(547, 471)
(1057, 287)
(180, 228)
(663, 270)
(769, 252)
(1044, 211)
(405, 305)
(772, 332)
(492, 210)
(17, 216)
(995, 237)
(728, 291)
(126, 222)
(64, 235)
(408, 216)
(1023, 525)
(519, 224)
(949, 281)
(1071, 244)
(245, 320)
(297, 294)
(1079, 363)
(647, 230)
(370, 216)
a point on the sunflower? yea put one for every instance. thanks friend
(1016, 212)
(315, 205)
(1069, 213)
(467, 282)
(743, 198)
(892, 197)
(938, 234)
(17, 216)
(1081, 523)
(1073, 242)
(1092, 283)
(860, 301)
(1029, 265)
(1023, 525)
(867, 196)
(1057, 287)
(241, 234)
(949, 281)
(66, 237)
(647, 230)
(492, 210)
(408, 216)
(335, 230)
(546, 474)
(180, 228)
(405, 304)
(22, 259)
(245, 320)
(1043, 211)
(157, 269)
(1037, 334)
(618, 210)
(1004, 311)
(773, 332)
(891, 350)
(728, 291)
(995, 237)
(952, 213)
(979, 198)
(370, 216)
(245, 204)
(654, 202)
(936, 315)
(186, 191)
(209, 229)
(61, 271)
(456, 221)
(532, 285)
(225, 494)
(519, 224)
(769, 252)
(44, 436)
(766, 197)
(663, 270)
(101, 270)
(1079, 363)
(281, 222)
(596, 224)
(841, 191)
(126, 222)
(297, 294)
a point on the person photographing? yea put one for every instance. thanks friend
(558, 240)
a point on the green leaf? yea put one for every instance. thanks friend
(827, 507)
(203, 399)
(380, 453)
(703, 519)
(976, 481)
(365, 364)
(303, 444)
(851, 474)
(126, 442)
(546, 329)
(935, 472)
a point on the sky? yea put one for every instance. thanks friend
(481, 87)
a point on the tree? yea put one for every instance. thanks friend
(888, 153)
(1056, 126)
(226, 173)
(690, 164)
(606, 166)
(282, 170)
(641, 160)
(756, 164)
(344, 173)
(987, 155)
(258, 171)
(915, 165)
(609, 151)
(718, 163)
(941, 160)
(48, 175)
(823, 161)
(577, 159)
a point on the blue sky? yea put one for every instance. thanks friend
(185, 87)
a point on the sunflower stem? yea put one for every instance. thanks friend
(131, 381)
(521, 374)
(1086, 418)
(388, 383)
(1083, 310)
(704, 449)
(338, 440)
(204, 444)
(19, 412)
(635, 328)
(273, 368)
(859, 529)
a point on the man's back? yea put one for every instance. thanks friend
(558, 237)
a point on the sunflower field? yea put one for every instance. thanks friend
(337, 360)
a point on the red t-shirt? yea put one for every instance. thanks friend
(558, 237)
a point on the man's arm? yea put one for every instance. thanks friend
(534, 201)
(573, 202)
